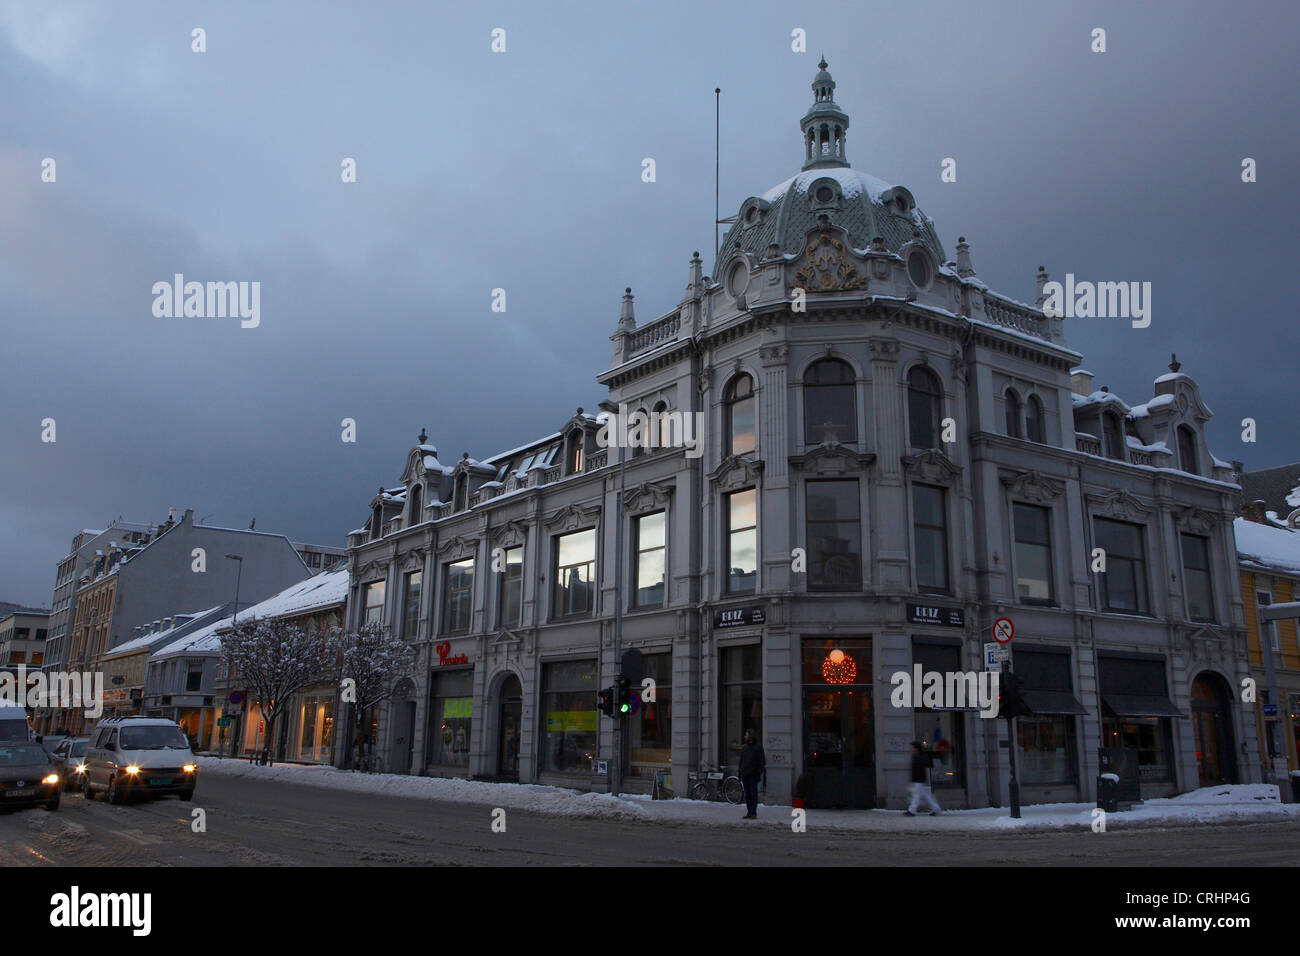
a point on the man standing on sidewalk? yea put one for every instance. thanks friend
(752, 764)
(922, 761)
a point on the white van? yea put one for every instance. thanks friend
(14, 728)
(130, 755)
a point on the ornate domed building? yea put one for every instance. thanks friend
(860, 457)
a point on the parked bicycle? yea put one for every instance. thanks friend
(716, 784)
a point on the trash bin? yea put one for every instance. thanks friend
(1108, 792)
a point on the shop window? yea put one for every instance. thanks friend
(1033, 554)
(1046, 753)
(930, 532)
(512, 588)
(942, 731)
(1148, 736)
(651, 727)
(740, 416)
(742, 541)
(569, 716)
(830, 403)
(650, 551)
(1196, 577)
(411, 605)
(575, 573)
(1123, 585)
(458, 597)
(741, 696)
(451, 714)
(834, 536)
(924, 408)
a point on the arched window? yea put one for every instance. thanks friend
(661, 435)
(376, 522)
(640, 429)
(462, 492)
(924, 408)
(417, 504)
(739, 416)
(1012, 402)
(1187, 450)
(573, 450)
(830, 403)
(1112, 437)
(1034, 420)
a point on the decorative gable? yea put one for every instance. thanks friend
(1118, 503)
(932, 466)
(737, 471)
(832, 458)
(1032, 486)
(1195, 520)
(648, 496)
(571, 517)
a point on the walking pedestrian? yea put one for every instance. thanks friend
(752, 764)
(922, 761)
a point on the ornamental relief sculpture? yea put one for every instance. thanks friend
(826, 267)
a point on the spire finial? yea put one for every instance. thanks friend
(1174, 364)
(824, 125)
(423, 436)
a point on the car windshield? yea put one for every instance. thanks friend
(78, 748)
(14, 730)
(153, 738)
(23, 755)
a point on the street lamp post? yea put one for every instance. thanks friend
(233, 621)
(616, 774)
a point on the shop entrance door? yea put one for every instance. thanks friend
(510, 723)
(838, 751)
(1210, 715)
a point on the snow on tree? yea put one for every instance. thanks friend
(275, 659)
(374, 660)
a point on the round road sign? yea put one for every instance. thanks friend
(1003, 630)
(236, 697)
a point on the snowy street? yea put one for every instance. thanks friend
(257, 818)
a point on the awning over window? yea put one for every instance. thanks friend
(1140, 705)
(1050, 702)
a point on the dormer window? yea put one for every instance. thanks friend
(574, 453)
(462, 492)
(1187, 450)
(1112, 438)
(376, 523)
(416, 496)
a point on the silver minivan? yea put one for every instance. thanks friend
(129, 755)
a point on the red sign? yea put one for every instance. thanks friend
(1003, 630)
(444, 658)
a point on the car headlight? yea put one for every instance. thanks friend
(52, 778)
(189, 768)
(81, 768)
(133, 769)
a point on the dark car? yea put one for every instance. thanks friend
(27, 776)
(70, 761)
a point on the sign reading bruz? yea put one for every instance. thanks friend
(738, 617)
(932, 614)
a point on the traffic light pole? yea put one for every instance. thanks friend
(1013, 786)
(616, 771)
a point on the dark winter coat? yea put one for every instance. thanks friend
(922, 761)
(752, 761)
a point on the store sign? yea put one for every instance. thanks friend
(571, 721)
(1270, 710)
(934, 614)
(445, 658)
(457, 708)
(738, 617)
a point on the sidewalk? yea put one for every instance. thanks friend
(1225, 804)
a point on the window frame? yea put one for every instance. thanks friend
(557, 576)
(943, 532)
(850, 387)
(1208, 570)
(730, 403)
(811, 579)
(1050, 600)
(1011, 413)
(915, 395)
(504, 583)
(729, 532)
(638, 551)
(449, 592)
(1140, 572)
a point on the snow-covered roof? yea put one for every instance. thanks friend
(1097, 398)
(1269, 547)
(158, 638)
(1145, 409)
(321, 590)
(204, 640)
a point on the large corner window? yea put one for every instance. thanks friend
(740, 416)
(1196, 577)
(830, 403)
(458, 596)
(834, 536)
(742, 541)
(575, 573)
(923, 408)
(1033, 554)
(1124, 582)
(650, 550)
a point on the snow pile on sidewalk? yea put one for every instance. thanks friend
(1241, 803)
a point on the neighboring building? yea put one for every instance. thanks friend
(23, 634)
(1270, 574)
(320, 558)
(1272, 495)
(893, 457)
(184, 564)
(125, 667)
(308, 724)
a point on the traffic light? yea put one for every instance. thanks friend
(624, 696)
(1010, 703)
(605, 700)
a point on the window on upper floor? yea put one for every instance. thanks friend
(458, 596)
(830, 403)
(924, 408)
(930, 532)
(573, 457)
(411, 605)
(462, 492)
(1123, 585)
(1033, 531)
(742, 541)
(1262, 600)
(739, 416)
(512, 588)
(376, 522)
(1112, 437)
(651, 541)
(1187, 450)
(661, 427)
(1011, 402)
(416, 513)
(575, 573)
(1034, 420)
(639, 427)
(834, 536)
(1197, 581)
(373, 606)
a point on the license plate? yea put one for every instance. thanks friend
(159, 781)
(17, 793)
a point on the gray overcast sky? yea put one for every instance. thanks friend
(522, 170)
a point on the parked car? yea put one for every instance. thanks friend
(27, 776)
(138, 755)
(70, 761)
(14, 727)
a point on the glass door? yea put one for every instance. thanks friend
(839, 736)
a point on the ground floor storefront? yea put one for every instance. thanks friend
(304, 731)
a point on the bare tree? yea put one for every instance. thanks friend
(276, 659)
(374, 660)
